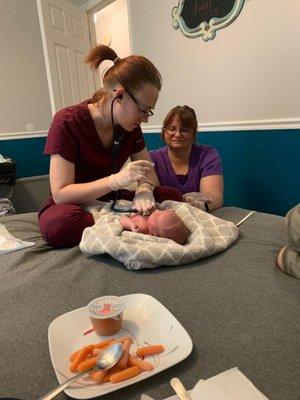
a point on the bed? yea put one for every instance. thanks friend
(237, 307)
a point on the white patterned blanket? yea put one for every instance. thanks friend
(209, 235)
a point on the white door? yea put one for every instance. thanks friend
(66, 40)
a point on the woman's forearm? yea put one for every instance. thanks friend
(65, 190)
(216, 201)
(213, 187)
(79, 193)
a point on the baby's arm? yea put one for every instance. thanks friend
(129, 224)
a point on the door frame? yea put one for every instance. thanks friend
(45, 49)
(46, 57)
(93, 6)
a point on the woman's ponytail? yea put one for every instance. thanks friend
(100, 53)
(132, 72)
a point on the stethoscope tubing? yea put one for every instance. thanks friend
(115, 150)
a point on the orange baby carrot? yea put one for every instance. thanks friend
(114, 370)
(73, 355)
(97, 351)
(122, 363)
(143, 365)
(104, 343)
(99, 375)
(148, 350)
(92, 374)
(87, 364)
(122, 339)
(125, 374)
(82, 354)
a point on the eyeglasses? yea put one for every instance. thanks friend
(141, 108)
(171, 130)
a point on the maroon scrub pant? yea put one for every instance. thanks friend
(62, 225)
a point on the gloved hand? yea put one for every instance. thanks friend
(197, 199)
(144, 200)
(134, 171)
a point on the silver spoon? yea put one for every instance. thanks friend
(107, 359)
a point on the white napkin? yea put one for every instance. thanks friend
(229, 385)
(10, 243)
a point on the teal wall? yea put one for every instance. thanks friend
(261, 168)
(28, 154)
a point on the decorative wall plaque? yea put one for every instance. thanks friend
(205, 17)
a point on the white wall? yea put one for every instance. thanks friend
(249, 72)
(24, 95)
(112, 29)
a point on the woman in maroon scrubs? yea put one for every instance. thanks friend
(80, 145)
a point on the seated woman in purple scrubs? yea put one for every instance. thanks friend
(194, 169)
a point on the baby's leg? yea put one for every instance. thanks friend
(288, 259)
(292, 222)
(289, 262)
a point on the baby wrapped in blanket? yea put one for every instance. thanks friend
(161, 223)
(206, 235)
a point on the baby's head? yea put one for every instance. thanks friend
(168, 224)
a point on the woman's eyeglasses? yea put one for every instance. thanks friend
(141, 108)
(171, 130)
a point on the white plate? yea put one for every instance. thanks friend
(145, 319)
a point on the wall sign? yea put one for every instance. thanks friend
(205, 17)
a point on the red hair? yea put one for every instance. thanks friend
(131, 72)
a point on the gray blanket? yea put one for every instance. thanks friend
(237, 307)
(208, 235)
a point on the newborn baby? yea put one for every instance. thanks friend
(166, 224)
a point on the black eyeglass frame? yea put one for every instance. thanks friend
(181, 130)
(142, 110)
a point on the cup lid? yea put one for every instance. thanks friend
(105, 307)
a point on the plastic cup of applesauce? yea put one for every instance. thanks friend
(106, 314)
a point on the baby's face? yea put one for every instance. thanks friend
(140, 224)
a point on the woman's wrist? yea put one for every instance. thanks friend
(145, 186)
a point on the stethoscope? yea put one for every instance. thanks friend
(115, 150)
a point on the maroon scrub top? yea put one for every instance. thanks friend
(73, 136)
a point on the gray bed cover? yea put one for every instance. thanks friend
(237, 307)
